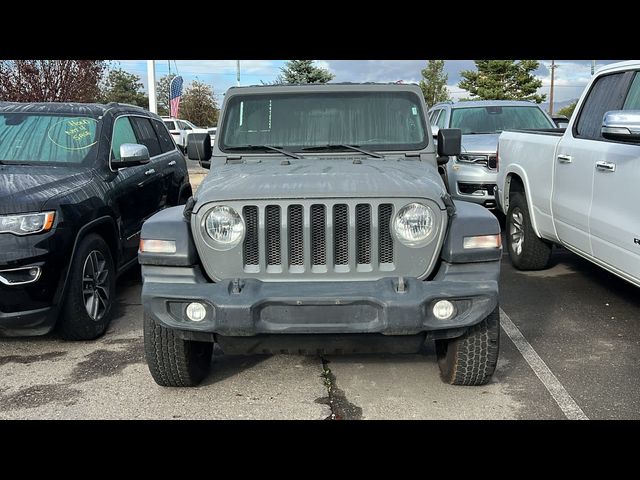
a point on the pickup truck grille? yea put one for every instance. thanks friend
(324, 239)
(352, 242)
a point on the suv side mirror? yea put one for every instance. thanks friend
(131, 155)
(199, 148)
(621, 125)
(449, 144)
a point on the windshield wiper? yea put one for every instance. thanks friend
(266, 147)
(348, 147)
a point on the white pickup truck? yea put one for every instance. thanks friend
(580, 187)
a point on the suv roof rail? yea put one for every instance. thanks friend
(120, 104)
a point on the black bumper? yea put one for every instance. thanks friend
(28, 322)
(321, 307)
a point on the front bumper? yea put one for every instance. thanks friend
(259, 307)
(472, 183)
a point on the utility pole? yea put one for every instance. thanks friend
(553, 68)
(151, 85)
(238, 70)
(593, 67)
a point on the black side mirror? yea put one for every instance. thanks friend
(449, 144)
(199, 148)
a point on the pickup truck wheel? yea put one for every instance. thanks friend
(526, 250)
(91, 286)
(172, 361)
(471, 359)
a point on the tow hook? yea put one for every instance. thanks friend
(236, 286)
(401, 287)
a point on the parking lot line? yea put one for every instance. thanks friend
(566, 403)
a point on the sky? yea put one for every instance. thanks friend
(570, 80)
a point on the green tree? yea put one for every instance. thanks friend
(50, 80)
(198, 105)
(568, 110)
(434, 83)
(162, 94)
(303, 71)
(503, 80)
(123, 87)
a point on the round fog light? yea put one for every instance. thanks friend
(196, 312)
(444, 310)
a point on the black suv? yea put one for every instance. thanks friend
(76, 183)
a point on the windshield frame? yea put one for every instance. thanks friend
(232, 100)
(88, 162)
(453, 110)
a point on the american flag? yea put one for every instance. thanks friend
(175, 92)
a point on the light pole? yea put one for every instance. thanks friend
(238, 71)
(151, 84)
(593, 67)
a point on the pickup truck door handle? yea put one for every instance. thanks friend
(172, 163)
(565, 158)
(606, 166)
(151, 171)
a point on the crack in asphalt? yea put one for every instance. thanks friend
(341, 408)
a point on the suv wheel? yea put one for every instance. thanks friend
(174, 362)
(471, 359)
(86, 310)
(526, 250)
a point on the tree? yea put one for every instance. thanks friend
(123, 87)
(198, 105)
(568, 110)
(162, 94)
(434, 83)
(503, 80)
(303, 71)
(50, 80)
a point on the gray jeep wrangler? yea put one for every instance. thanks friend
(324, 226)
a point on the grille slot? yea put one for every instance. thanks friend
(363, 233)
(296, 235)
(272, 232)
(341, 234)
(385, 242)
(318, 235)
(251, 250)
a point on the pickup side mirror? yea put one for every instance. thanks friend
(621, 125)
(449, 144)
(199, 148)
(131, 155)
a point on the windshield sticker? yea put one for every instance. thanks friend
(414, 110)
(73, 133)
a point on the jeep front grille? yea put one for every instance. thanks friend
(352, 243)
(318, 240)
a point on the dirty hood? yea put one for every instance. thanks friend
(321, 177)
(27, 188)
(480, 143)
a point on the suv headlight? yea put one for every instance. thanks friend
(224, 226)
(413, 225)
(27, 224)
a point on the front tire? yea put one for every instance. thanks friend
(86, 311)
(526, 250)
(172, 361)
(471, 359)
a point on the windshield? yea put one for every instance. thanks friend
(379, 120)
(494, 119)
(40, 138)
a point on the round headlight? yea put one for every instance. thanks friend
(225, 227)
(413, 224)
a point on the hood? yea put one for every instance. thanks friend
(27, 188)
(480, 143)
(321, 177)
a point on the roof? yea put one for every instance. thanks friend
(486, 103)
(74, 108)
(319, 85)
(626, 65)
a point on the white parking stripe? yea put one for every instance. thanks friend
(566, 403)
